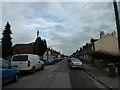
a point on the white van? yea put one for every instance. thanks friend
(27, 62)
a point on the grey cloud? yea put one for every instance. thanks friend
(101, 16)
(100, 5)
(59, 28)
(89, 20)
(23, 37)
(39, 7)
(68, 43)
(71, 6)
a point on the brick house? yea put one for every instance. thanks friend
(23, 48)
(50, 53)
(84, 51)
(29, 49)
(106, 43)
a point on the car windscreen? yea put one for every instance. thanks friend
(76, 60)
(20, 58)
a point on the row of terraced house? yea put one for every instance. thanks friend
(29, 49)
(106, 43)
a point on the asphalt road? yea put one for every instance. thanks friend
(58, 75)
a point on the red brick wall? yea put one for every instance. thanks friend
(24, 51)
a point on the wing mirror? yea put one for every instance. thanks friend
(10, 66)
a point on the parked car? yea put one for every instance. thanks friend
(27, 62)
(57, 59)
(76, 63)
(69, 59)
(60, 58)
(49, 61)
(8, 72)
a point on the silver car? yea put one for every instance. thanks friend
(76, 63)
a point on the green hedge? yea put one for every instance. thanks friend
(105, 56)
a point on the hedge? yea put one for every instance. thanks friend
(105, 56)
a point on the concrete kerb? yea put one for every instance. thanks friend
(98, 80)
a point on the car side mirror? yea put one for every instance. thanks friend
(39, 61)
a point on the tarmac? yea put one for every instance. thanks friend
(102, 76)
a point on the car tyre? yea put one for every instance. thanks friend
(33, 70)
(42, 67)
(16, 77)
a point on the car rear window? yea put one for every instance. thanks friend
(76, 60)
(20, 58)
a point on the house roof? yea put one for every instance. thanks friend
(23, 45)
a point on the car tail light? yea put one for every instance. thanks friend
(28, 63)
(72, 63)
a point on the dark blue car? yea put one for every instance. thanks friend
(8, 72)
(50, 61)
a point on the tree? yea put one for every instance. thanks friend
(6, 42)
(40, 46)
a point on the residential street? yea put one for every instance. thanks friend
(60, 44)
(58, 75)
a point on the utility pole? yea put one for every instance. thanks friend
(117, 21)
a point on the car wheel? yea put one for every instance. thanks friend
(16, 78)
(42, 67)
(33, 70)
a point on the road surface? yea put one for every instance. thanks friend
(58, 75)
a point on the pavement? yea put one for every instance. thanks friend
(102, 76)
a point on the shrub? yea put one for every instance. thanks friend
(105, 56)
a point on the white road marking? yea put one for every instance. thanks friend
(50, 75)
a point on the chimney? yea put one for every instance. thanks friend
(102, 34)
(113, 34)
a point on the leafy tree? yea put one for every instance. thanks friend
(40, 46)
(6, 41)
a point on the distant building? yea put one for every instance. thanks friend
(50, 53)
(29, 49)
(23, 48)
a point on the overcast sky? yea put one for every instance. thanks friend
(66, 26)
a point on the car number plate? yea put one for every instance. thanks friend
(77, 63)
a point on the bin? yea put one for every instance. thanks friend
(112, 70)
(118, 68)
